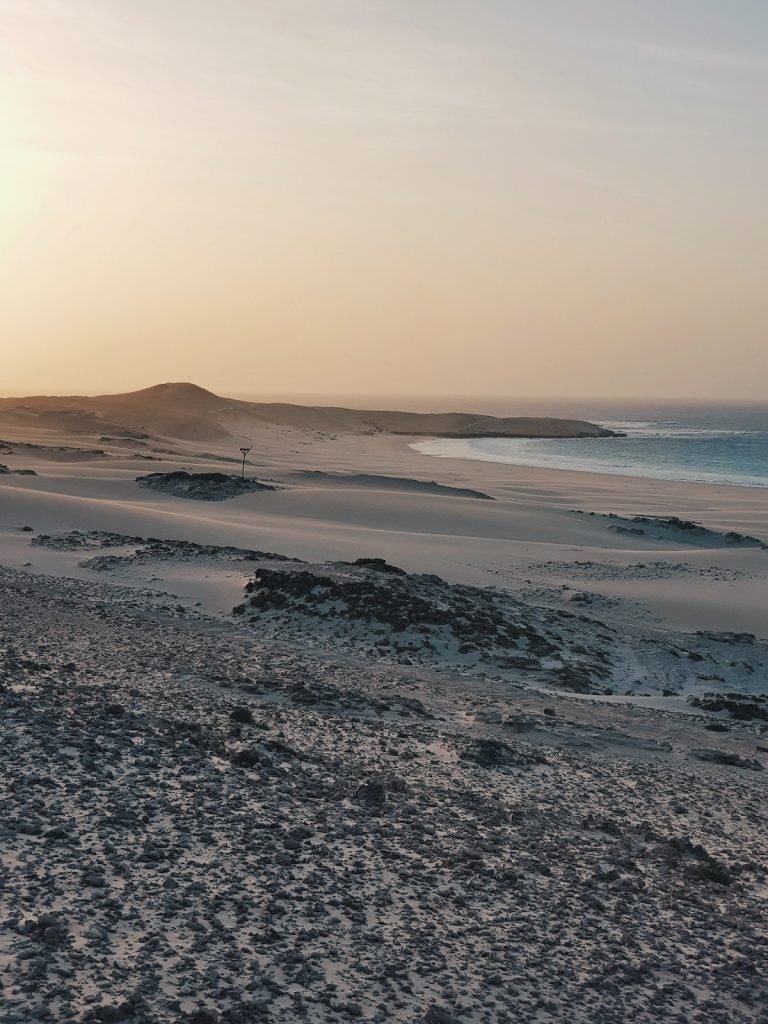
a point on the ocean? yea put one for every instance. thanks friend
(715, 444)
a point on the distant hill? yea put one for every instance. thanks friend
(189, 412)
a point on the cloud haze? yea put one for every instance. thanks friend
(328, 195)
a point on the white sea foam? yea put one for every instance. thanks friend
(651, 450)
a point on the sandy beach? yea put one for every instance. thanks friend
(387, 737)
(348, 496)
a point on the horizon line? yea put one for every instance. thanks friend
(289, 397)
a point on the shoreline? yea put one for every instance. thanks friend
(555, 479)
(491, 458)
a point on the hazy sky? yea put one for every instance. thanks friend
(462, 196)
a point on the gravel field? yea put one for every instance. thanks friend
(203, 824)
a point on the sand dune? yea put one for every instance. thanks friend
(189, 412)
(385, 483)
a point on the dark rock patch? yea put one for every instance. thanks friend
(491, 753)
(201, 486)
(738, 706)
(726, 758)
(674, 527)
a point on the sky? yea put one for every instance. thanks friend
(522, 197)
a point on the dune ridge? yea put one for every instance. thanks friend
(189, 412)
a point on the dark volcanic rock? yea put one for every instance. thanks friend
(372, 596)
(241, 714)
(84, 540)
(373, 793)
(437, 1015)
(380, 565)
(201, 486)
(738, 706)
(421, 618)
(246, 758)
(684, 529)
(575, 678)
(727, 637)
(698, 862)
(727, 758)
(491, 753)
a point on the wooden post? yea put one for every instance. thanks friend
(245, 452)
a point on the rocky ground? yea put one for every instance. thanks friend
(377, 609)
(373, 609)
(202, 820)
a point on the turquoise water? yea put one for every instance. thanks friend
(716, 445)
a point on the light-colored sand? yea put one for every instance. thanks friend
(531, 522)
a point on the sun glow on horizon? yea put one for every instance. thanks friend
(327, 197)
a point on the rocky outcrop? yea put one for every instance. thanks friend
(739, 707)
(422, 619)
(201, 486)
(676, 529)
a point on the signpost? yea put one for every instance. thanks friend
(245, 452)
